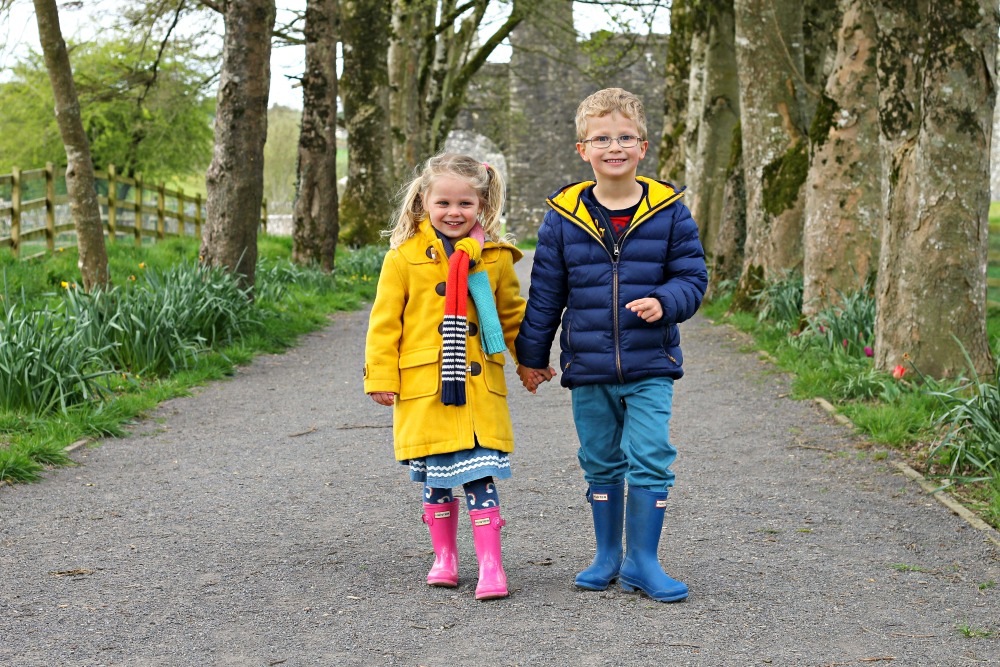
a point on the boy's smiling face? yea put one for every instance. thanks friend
(614, 162)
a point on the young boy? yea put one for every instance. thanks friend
(618, 265)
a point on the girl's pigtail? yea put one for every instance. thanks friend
(408, 215)
(493, 207)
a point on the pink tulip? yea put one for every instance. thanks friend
(845, 342)
(898, 372)
(869, 352)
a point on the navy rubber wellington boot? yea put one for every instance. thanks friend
(607, 502)
(641, 569)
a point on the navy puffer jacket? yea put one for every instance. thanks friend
(578, 282)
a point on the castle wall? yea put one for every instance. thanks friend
(527, 108)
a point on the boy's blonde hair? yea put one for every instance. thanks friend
(607, 101)
(484, 179)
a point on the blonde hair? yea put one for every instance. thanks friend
(484, 179)
(610, 100)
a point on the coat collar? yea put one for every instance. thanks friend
(570, 202)
(425, 247)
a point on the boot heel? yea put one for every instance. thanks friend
(626, 587)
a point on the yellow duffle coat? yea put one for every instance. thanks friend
(403, 350)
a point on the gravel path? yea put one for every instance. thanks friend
(264, 522)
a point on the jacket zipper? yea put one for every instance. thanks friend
(615, 319)
(614, 295)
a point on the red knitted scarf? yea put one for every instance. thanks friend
(454, 329)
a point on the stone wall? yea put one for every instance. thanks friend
(527, 108)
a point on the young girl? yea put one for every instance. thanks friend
(436, 355)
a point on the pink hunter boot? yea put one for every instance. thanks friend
(442, 521)
(486, 526)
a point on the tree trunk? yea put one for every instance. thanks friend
(727, 259)
(437, 47)
(463, 62)
(844, 187)
(822, 20)
(678, 71)
(698, 32)
(412, 22)
(235, 178)
(717, 111)
(775, 151)
(936, 81)
(315, 218)
(364, 87)
(80, 186)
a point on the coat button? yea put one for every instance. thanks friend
(431, 252)
(440, 288)
(473, 329)
(475, 368)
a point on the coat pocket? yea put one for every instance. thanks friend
(493, 373)
(419, 373)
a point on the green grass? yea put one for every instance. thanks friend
(946, 429)
(96, 389)
(967, 630)
(904, 567)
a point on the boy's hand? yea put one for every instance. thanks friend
(383, 397)
(532, 377)
(649, 309)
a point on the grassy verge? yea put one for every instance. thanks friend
(950, 431)
(76, 366)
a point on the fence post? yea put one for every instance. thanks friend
(138, 210)
(181, 224)
(50, 207)
(197, 214)
(15, 211)
(161, 220)
(112, 204)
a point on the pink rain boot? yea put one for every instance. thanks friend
(486, 526)
(442, 521)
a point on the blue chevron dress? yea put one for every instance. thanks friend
(445, 471)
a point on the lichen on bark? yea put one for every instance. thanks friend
(783, 179)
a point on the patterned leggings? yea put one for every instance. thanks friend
(479, 494)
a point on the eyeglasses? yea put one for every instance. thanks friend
(625, 141)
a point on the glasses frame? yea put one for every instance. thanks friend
(638, 140)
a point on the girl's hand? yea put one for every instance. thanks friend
(532, 377)
(648, 309)
(383, 397)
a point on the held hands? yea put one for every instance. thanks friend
(532, 377)
(648, 309)
(383, 397)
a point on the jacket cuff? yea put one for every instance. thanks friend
(373, 384)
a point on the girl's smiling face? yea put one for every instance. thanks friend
(453, 206)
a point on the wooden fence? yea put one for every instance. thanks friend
(35, 216)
